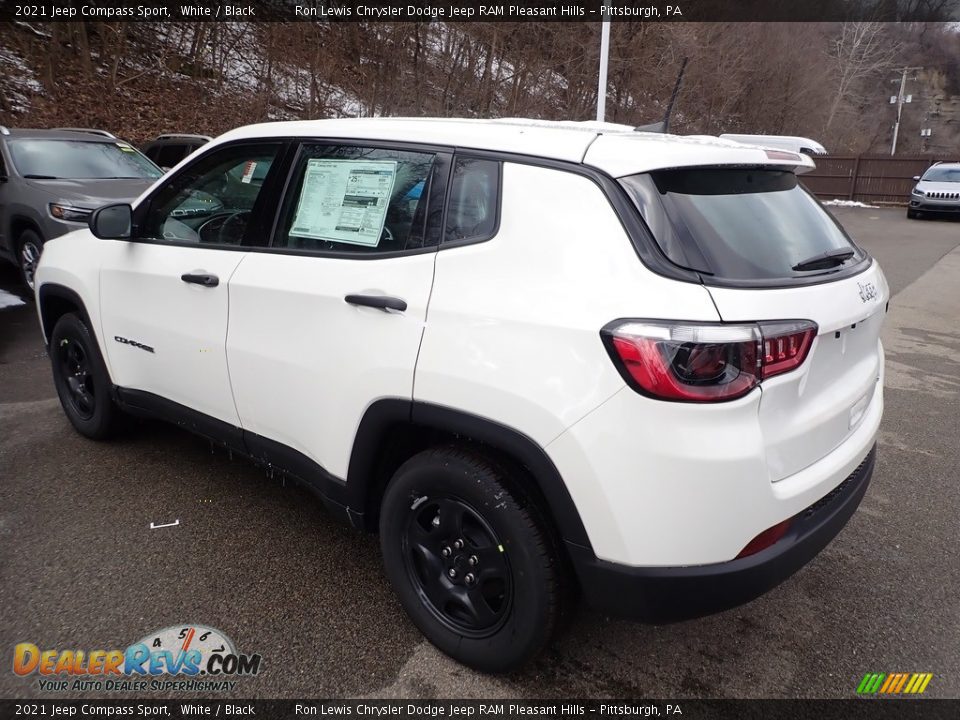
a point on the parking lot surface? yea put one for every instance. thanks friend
(81, 568)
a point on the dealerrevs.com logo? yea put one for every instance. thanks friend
(189, 658)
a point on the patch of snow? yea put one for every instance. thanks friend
(17, 80)
(848, 203)
(9, 300)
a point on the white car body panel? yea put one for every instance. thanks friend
(525, 349)
(305, 365)
(72, 260)
(807, 413)
(653, 495)
(143, 299)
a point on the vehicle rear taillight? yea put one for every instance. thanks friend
(705, 362)
(785, 345)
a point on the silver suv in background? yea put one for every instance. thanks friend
(938, 191)
(51, 180)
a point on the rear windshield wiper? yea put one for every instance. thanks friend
(828, 259)
(41, 177)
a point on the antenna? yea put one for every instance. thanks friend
(673, 97)
(664, 125)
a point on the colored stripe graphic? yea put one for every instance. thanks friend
(894, 683)
(903, 679)
(870, 683)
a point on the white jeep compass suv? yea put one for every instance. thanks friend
(537, 358)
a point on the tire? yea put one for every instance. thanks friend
(29, 249)
(449, 509)
(81, 378)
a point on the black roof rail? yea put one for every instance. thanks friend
(169, 136)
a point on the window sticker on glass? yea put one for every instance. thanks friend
(248, 172)
(345, 200)
(125, 147)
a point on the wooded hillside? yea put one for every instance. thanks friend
(830, 81)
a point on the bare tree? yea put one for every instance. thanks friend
(860, 51)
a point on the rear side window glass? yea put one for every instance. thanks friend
(472, 211)
(169, 155)
(350, 199)
(737, 224)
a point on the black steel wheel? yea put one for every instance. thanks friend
(81, 378)
(458, 565)
(471, 559)
(75, 368)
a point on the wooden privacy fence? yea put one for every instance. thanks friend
(868, 178)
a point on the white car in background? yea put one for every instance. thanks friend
(536, 358)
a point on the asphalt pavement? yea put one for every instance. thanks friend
(264, 563)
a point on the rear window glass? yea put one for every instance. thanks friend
(737, 224)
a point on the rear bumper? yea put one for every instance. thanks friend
(669, 594)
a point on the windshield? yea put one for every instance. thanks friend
(942, 174)
(737, 224)
(80, 159)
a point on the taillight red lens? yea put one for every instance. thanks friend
(705, 362)
(785, 346)
(768, 537)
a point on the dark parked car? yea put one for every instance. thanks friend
(168, 150)
(51, 180)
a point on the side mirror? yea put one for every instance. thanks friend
(112, 222)
(916, 178)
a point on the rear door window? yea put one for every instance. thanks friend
(473, 208)
(738, 224)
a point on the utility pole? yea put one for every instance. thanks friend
(604, 57)
(900, 101)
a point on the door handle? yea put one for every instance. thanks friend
(205, 279)
(381, 302)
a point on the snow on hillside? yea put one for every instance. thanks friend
(17, 82)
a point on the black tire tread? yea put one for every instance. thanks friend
(538, 540)
(105, 426)
(532, 517)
